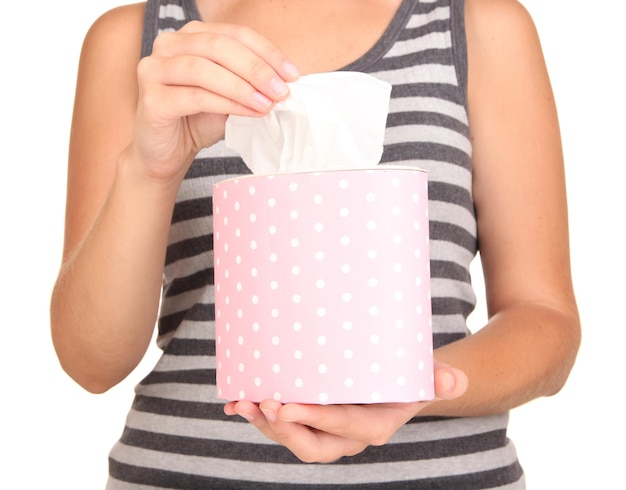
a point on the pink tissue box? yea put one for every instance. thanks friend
(323, 287)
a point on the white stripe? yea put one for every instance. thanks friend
(180, 392)
(451, 288)
(432, 40)
(453, 214)
(449, 324)
(448, 251)
(423, 133)
(189, 265)
(171, 12)
(419, 20)
(428, 104)
(431, 73)
(246, 433)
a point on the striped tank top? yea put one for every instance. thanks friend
(176, 434)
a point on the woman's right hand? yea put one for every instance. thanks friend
(193, 79)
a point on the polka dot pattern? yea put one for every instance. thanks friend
(322, 287)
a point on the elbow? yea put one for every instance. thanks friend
(567, 346)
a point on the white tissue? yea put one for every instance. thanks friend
(329, 121)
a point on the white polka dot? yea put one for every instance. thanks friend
(298, 382)
(400, 381)
(420, 337)
(255, 300)
(226, 247)
(296, 298)
(252, 217)
(322, 368)
(395, 183)
(237, 232)
(348, 382)
(239, 286)
(274, 285)
(257, 381)
(226, 273)
(372, 254)
(225, 194)
(395, 211)
(397, 239)
(255, 326)
(238, 259)
(272, 230)
(418, 281)
(320, 284)
(348, 354)
(254, 272)
(346, 297)
(319, 255)
(257, 354)
(398, 295)
(375, 368)
(253, 244)
(242, 367)
(371, 225)
(240, 313)
(399, 324)
(399, 352)
(416, 225)
(319, 227)
(371, 197)
(293, 187)
(318, 199)
(419, 309)
(416, 197)
(346, 269)
(397, 267)
(240, 340)
(276, 368)
(374, 339)
(252, 190)
(228, 380)
(321, 312)
(277, 396)
(273, 257)
(242, 395)
(275, 313)
(417, 253)
(343, 184)
(295, 270)
(347, 325)
(344, 212)
(293, 214)
(321, 340)
(345, 240)
(374, 310)
(275, 340)
(372, 282)
(271, 202)
(420, 365)
(297, 326)
(297, 354)
(225, 220)
(376, 396)
(323, 397)
(227, 300)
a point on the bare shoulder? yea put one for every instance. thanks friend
(118, 30)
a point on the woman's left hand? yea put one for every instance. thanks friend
(325, 433)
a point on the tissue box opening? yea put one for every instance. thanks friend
(322, 287)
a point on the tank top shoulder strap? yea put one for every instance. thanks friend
(163, 16)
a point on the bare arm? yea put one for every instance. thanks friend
(136, 129)
(530, 342)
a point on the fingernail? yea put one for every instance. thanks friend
(291, 69)
(269, 414)
(279, 87)
(262, 101)
(448, 381)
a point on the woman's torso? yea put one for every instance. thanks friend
(176, 435)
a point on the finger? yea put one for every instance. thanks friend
(256, 61)
(450, 382)
(373, 424)
(207, 87)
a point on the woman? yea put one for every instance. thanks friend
(471, 103)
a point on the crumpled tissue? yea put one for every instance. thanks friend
(333, 120)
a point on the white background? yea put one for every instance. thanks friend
(54, 432)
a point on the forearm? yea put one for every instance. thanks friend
(106, 298)
(524, 352)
